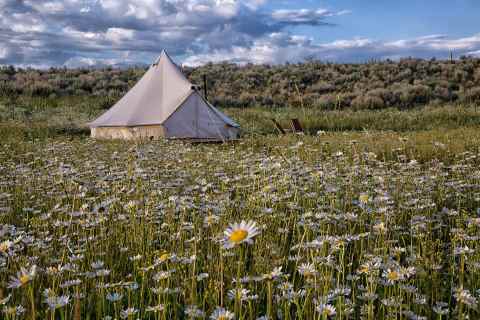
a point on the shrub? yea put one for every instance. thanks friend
(326, 101)
(472, 96)
(368, 102)
(322, 87)
(411, 95)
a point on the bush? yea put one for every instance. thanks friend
(406, 83)
(327, 102)
(411, 95)
(472, 96)
(368, 102)
(443, 94)
(322, 87)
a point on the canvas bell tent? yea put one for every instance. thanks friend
(164, 104)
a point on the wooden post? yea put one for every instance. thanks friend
(205, 86)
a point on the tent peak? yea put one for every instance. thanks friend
(163, 55)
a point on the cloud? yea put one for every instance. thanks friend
(474, 53)
(53, 32)
(304, 16)
(283, 47)
(104, 32)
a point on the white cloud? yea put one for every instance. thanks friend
(82, 28)
(118, 35)
(4, 52)
(87, 32)
(474, 53)
(281, 48)
(23, 23)
(304, 16)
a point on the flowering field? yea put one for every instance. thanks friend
(260, 229)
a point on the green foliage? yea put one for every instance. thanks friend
(340, 226)
(406, 83)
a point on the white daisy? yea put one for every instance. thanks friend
(222, 314)
(24, 276)
(307, 270)
(155, 309)
(326, 310)
(114, 297)
(238, 233)
(124, 314)
(242, 294)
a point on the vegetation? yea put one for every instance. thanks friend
(372, 214)
(403, 84)
(346, 226)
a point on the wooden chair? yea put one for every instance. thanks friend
(278, 126)
(296, 126)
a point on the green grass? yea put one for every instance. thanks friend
(257, 120)
(379, 221)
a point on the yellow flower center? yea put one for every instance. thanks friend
(393, 276)
(327, 312)
(24, 279)
(52, 270)
(364, 269)
(222, 318)
(164, 257)
(210, 219)
(364, 198)
(238, 236)
(3, 247)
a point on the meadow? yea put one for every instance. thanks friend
(369, 215)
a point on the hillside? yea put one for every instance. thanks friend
(376, 85)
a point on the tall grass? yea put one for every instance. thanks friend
(258, 120)
(104, 230)
(374, 218)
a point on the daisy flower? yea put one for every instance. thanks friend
(238, 233)
(14, 311)
(124, 314)
(5, 246)
(464, 296)
(4, 301)
(24, 276)
(222, 314)
(155, 309)
(194, 312)
(114, 297)
(392, 276)
(326, 310)
(242, 294)
(55, 302)
(364, 198)
(210, 220)
(307, 269)
(275, 274)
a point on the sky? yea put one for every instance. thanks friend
(84, 33)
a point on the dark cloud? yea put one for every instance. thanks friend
(304, 17)
(52, 32)
(57, 32)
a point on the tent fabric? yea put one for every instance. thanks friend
(164, 96)
(197, 119)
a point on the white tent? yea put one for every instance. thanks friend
(164, 104)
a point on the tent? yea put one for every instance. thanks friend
(164, 104)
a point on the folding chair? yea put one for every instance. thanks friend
(278, 126)
(296, 126)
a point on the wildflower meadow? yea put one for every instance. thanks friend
(265, 228)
